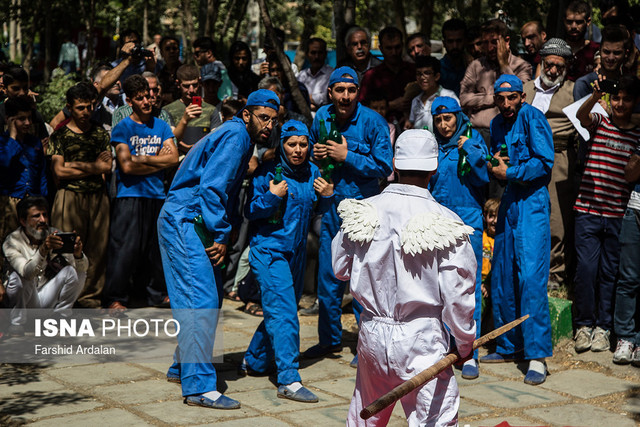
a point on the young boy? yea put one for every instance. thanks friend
(81, 153)
(144, 149)
(428, 76)
(389, 245)
(599, 208)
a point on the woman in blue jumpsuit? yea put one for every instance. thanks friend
(280, 215)
(463, 195)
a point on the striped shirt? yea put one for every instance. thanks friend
(603, 190)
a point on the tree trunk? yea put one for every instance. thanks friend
(350, 12)
(12, 31)
(33, 25)
(187, 30)
(212, 16)
(47, 42)
(88, 15)
(427, 17)
(145, 24)
(476, 10)
(225, 25)
(398, 6)
(286, 66)
(236, 31)
(305, 11)
(339, 28)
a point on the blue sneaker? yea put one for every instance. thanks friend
(470, 372)
(535, 378)
(354, 362)
(502, 358)
(302, 395)
(223, 402)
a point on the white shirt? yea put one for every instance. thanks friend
(634, 201)
(26, 259)
(317, 84)
(542, 98)
(420, 114)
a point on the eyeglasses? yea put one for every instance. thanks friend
(188, 85)
(265, 119)
(424, 74)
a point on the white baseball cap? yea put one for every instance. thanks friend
(417, 150)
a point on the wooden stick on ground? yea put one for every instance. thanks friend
(428, 374)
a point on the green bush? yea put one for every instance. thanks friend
(52, 96)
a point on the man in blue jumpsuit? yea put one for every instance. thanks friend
(365, 156)
(205, 185)
(522, 244)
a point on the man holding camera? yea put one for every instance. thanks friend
(47, 269)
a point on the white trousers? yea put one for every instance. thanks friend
(390, 353)
(59, 293)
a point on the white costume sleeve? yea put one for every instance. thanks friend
(342, 255)
(457, 279)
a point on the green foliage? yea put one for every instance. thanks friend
(52, 96)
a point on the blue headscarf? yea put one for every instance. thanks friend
(299, 172)
(450, 106)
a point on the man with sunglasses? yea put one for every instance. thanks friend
(550, 93)
(192, 120)
(206, 186)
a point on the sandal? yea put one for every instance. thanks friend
(233, 296)
(253, 309)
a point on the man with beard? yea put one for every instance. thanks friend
(454, 63)
(476, 89)
(358, 44)
(533, 36)
(392, 76)
(365, 155)
(550, 93)
(522, 243)
(206, 186)
(37, 277)
(613, 53)
(577, 20)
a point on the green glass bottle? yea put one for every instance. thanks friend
(504, 152)
(322, 139)
(464, 167)
(334, 133)
(277, 179)
(205, 235)
(494, 162)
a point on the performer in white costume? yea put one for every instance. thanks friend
(413, 270)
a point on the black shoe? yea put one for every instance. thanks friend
(320, 350)
(311, 311)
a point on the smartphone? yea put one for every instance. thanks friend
(609, 86)
(68, 242)
(197, 100)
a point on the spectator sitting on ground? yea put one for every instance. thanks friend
(38, 278)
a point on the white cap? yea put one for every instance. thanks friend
(417, 150)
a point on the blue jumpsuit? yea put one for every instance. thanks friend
(369, 159)
(278, 258)
(464, 198)
(520, 269)
(205, 183)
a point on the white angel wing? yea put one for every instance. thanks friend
(429, 231)
(359, 220)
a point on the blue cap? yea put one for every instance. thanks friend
(445, 104)
(211, 71)
(515, 84)
(293, 128)
(338, 73)
(263, 98)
